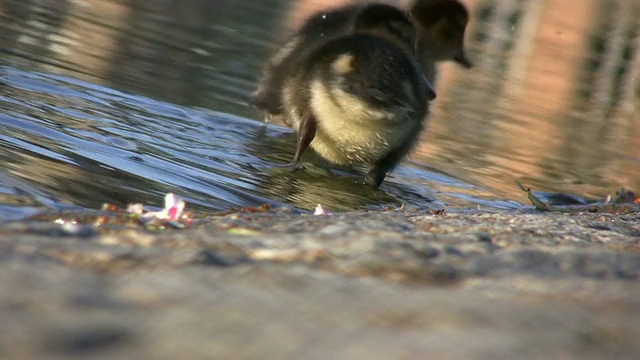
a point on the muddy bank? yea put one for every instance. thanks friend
(280, 285)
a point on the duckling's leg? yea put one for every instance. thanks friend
(306, 133)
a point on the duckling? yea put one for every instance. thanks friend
(318, 29)
(441, 26)
(359, 99)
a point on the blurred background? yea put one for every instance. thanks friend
(122, 101)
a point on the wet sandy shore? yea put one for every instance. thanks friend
(280, 285)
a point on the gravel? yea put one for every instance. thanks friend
(278, 285)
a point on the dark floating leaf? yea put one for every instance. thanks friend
(623, 202)
(623, 196)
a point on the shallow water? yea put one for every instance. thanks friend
(114, 101)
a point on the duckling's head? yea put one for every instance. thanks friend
(387, 21)
(441, 25)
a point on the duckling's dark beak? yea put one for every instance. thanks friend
(461, 58)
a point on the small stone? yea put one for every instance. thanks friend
(92, 339)
(213, 258)
(430, 252)
(450, 250)
(484, 238)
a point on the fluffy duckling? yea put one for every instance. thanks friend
(360, 99)
(440, 25)
(316, 30)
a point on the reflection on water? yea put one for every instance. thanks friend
(193, 52)
(553, 100)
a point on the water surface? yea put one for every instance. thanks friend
(123, 101)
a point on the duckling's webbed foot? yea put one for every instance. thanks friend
(306, 133)
(375, 177)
